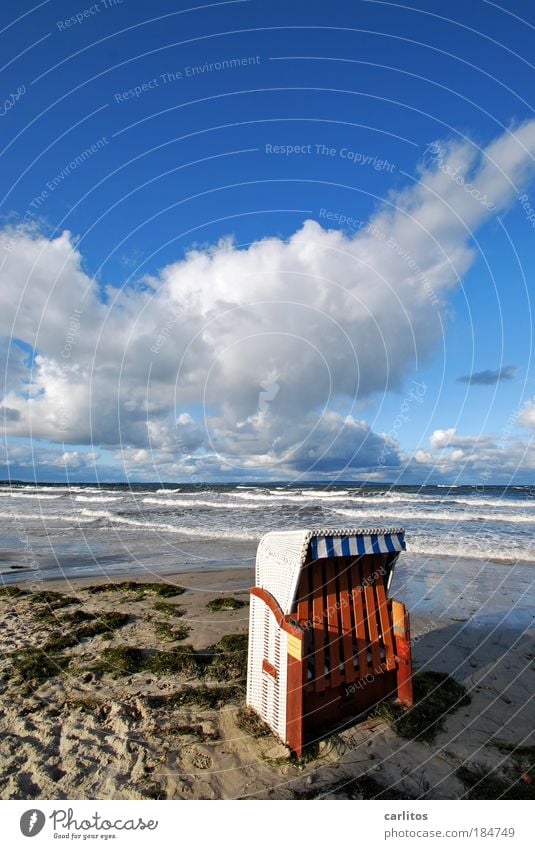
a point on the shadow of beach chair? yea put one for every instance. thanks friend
(325, 641)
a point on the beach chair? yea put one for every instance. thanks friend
(325, 641)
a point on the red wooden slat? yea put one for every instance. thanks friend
(401, 628)
(345, 616)
(303, 599)
(304, 617)
(371, 612)
(358, 610)
(270, 669)
(386, 625)
(318, 631)
(333, 630)
(294, 705)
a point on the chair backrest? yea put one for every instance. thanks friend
(343, 609)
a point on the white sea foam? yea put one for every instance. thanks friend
(321, 493)
(30, 496)
(46, 519)
(52, 488)
(199, 533)
(438, 516)
(347, 496)
(197, 502)
(290, 497)
(95, 514)
(490, 551)
(102, 499)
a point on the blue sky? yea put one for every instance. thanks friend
(133, 135)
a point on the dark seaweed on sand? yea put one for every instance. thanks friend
(435, 696)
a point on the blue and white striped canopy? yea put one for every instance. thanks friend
(281, 555)
(367, 542)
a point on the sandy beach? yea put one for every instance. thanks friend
(135, 689)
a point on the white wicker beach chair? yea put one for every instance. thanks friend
(325, 641)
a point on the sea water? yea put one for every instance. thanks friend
(82, 530)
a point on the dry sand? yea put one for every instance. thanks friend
(83, 733)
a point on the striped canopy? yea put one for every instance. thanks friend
(282, 554)
(366, 542)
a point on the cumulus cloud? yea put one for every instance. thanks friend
(526, 415)
(449, 438)
(267, 342)
(481, 458)
(489, 377)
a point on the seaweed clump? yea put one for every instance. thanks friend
(12, 592)
(140, 590)
(34, 666)
(489, 784)
(200, 696)
(226, 603)
(517, 780)
(228, 657)
(120, 660)
(249, 721)
(180, 659)
(168, 609)
(435, 696)
(167, 634)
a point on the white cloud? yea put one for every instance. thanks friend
(423, 457)
(526, 415)
(335, 318)
(69, 459)
(479, 458)
(449, 438)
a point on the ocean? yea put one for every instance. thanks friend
(50, 531)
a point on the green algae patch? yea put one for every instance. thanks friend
(435, 696)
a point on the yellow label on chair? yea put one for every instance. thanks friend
(294, 647)
(398, 618)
